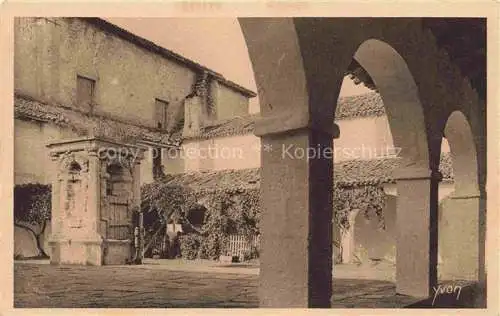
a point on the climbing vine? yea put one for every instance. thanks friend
(229, 211)
(363, 198)
(237, 211)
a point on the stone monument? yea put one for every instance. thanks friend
(95, 201)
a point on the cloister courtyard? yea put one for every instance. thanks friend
(199, 284)
(109, 191)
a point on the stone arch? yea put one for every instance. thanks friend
(463, 150)
(299, 65)
(462, 213)
(416, 177)
(399, 93)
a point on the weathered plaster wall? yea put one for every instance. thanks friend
(31, 159)
(363, 138)
(229, 102)
(50, 54)
(236, 152)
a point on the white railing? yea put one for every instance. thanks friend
(239, 245)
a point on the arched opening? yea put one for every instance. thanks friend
(459, 224)
(399, 93)
(374, 237)
(414, 210)
(296, 96)
(196, 216)
(463, 150)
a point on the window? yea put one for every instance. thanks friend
(157, 163)
(161, 108)
(85, 88)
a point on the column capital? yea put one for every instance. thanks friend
(292, 121)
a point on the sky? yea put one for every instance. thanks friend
(216, 43)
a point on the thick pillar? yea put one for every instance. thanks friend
(459, 237)
(416, 238)
(296, 240)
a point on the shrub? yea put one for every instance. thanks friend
(190, 245)
(212, 246)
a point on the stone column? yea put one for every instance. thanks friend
(348, 244)
(459, 237)
(136, 207)
(94, 193)
(296, 240)
(416, 237)
(56, 221)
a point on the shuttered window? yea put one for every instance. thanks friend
(85, 89)
(161, 108)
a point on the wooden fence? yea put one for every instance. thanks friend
(239, 245)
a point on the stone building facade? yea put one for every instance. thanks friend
(74, 76)
(85, 77)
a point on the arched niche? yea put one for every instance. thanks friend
(73, 187)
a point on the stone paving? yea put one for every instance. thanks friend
(150, 286)
(177, 283)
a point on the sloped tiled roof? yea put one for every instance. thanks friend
(357, 106)
(83, 124)
(363, 105)
(221, 179)
(239, 125)
(375, 171)
(346, 173)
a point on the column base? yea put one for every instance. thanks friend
(459, 239)
(94, 252)
(80, 252)
(117, 252)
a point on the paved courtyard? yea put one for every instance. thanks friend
(173, 283)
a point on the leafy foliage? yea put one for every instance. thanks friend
(32, 206)
(363, 198)
(32, 203)
(190, 245)
(230, 211)
(237, 211)
(170, 202)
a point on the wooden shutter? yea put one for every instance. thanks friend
(85, 92)
(161, 108)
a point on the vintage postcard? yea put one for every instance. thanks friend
(225, 155)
